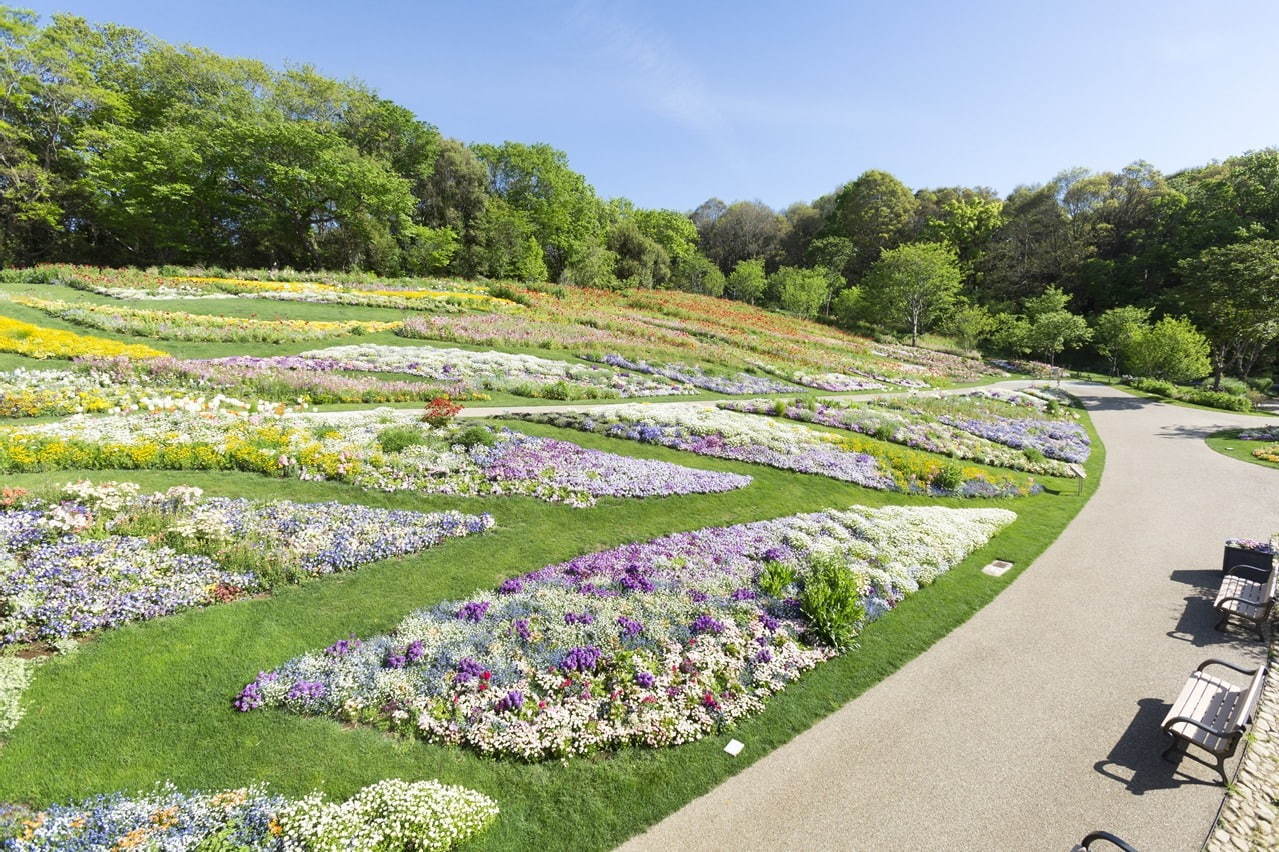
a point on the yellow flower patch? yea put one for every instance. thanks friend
(35, 341)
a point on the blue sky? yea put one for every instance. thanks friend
(669, 103)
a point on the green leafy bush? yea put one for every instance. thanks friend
(949, 477)
(1217, 399)
(776, 578)
(473, 436)
(831, 600)
(397, 439)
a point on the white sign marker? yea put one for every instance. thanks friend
(734, 747)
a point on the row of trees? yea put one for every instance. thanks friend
(117, 148)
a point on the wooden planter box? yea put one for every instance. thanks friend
(1249, 564)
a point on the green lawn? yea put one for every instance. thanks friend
(152, 701)
(1227, 444)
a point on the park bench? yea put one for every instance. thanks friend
(1085, 845)
(1212, 713)
(1247, 599)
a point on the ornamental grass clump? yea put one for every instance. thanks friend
(653, 643)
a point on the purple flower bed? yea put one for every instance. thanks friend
(73, 586)
(1067, 442)
(654, 643)
(600, 474)
(56, 585)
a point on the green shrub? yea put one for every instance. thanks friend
(509, 293)
(1034, 455)
(831, 600)
(476, 435)
(1217, 399)
(776, 578)
(1155, 386)
(397, 439)
(1233, 386)
(779, 407)
(949, 477)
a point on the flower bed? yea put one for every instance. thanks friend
(286, 378)
(406, 294)
(526, 375)
(835, 382)
(81, 563)
(179, 325)
(654, 643)
(381, 451)
(38, 342)
(693, 375)
(902, 427)
(997, 418)
(1268, 453)
(390, 815)
(742, 437)
(36, 393)
(1266, 433)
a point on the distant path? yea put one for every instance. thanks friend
(1036, 720)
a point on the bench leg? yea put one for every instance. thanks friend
(1221, 767)
(1221, 624)
(1173, 748)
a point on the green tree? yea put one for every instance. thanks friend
(966, 225)
(697, 274)
(747, 281)
(503, 245)
(1052, 329)
(969, 324)
(800, 291)
(875, 213)
(558, 203)
(744, 230)
(1232, 294)
(848, 307)
(641, 261)
(911, 285)
(672, 230)
(1172, 349)
(593, 267)
(1115, 331)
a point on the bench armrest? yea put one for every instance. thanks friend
(1215, 662)
(1087, 842)
(1201, 726)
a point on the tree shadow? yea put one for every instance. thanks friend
(1115, 403)
(1137, 762)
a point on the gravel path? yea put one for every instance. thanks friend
(1037, 720)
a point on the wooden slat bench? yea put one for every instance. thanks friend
(1247, 600)
(1212, 713)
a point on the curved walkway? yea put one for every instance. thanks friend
(1036, 720)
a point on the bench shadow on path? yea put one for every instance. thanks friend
(1197, 621)
(1136, 760)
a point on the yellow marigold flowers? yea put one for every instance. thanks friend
(36, 341)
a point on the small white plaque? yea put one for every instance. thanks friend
(734, 747)
(998, 568)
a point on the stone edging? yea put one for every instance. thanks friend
(1249, 817)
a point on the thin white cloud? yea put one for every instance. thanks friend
(658, 75)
